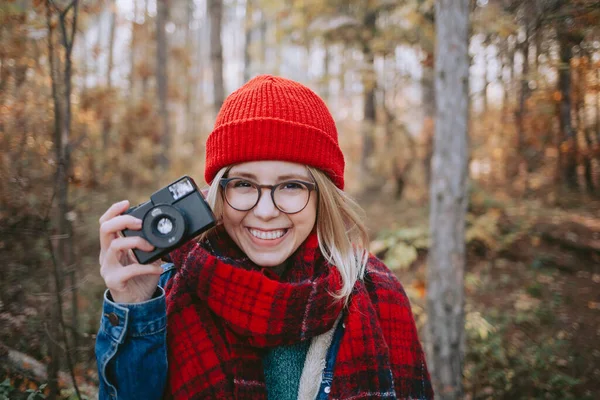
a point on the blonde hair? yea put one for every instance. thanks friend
(343, 237)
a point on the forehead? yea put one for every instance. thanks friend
(270, 170)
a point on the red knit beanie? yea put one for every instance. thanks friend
(272, 118)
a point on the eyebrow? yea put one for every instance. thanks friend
(280, 178)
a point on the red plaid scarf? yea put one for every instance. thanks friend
(223, 311)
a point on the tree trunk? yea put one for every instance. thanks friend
(510, 63)
(597, 108)
(582, 126)
(111, 42)
(189, 78)
(369, 81)
(263, 40)
(146, 55)
(278, 46)
(248, 40)
(215, 10)
(568, 146)
(523, 95)
(84, 69)
(161, 80)
(132, 50)
(64, 228)
(53, 330)
(538, 49)
(597, 103)
(96, 65)
(3, 69)
(486, 81)
(428, 107)
(107, 122)
(199, 92)
(62, 249)
(448, 198)
(587, 163)
(500, 80)
(326, 78)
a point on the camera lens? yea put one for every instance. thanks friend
(164, 226)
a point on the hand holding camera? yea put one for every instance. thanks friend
(132, 238)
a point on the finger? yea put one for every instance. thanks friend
(114, 210)
(119, 277)
(204, 192)
(124, 244)
(158, 262)
(101, 257)
(137, 270)
(110, 229)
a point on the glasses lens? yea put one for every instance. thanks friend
(291, 197)
(241, 194)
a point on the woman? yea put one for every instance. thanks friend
(281, 300)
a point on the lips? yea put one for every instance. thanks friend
(267, 235)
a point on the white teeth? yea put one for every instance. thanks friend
(271, 235)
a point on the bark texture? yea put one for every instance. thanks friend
(569, 146)
(248, 40)
(60, 244)
(107, 122)
(448, 197)
(369, 86)
(215, 11)
(161, 79)
(523, 93)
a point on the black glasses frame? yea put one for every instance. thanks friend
(310, 185)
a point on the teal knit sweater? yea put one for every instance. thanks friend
(283, 367)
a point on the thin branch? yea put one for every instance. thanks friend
(68, 39)
(574, 12)
(64, 13)
(52, 339)
(74, 25)
(53, 4)
(74, 144)
(61, 318)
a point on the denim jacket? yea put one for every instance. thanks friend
(131, 348)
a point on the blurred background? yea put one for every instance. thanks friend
(108, 100)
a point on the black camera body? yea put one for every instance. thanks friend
(174, 215)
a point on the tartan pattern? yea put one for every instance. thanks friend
(223, 311)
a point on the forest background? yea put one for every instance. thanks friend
(106, 100)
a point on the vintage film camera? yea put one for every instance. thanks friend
(174, 215)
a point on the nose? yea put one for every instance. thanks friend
(266, 208)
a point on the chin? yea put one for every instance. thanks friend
(267, 261)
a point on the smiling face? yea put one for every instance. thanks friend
(265, 234)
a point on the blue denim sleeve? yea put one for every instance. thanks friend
(131, 351)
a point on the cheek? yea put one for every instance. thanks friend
(306, 220)
(231, 219)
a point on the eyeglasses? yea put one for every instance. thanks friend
(289, 197)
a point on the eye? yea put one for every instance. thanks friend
(240, 183)
(291, 186)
